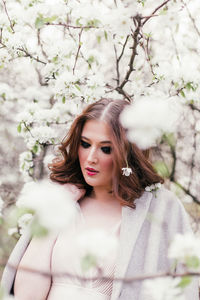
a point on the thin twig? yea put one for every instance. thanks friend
(79, 47)
(155, 10)
(31, 56)
(106, 278)
(192, 165)
(193, 107)
(72, 26)
(187, 191)
(191, 18)
(11, 25)
(134, 53)
(119, 58)
(40, 44)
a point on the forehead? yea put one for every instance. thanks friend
(96, 130)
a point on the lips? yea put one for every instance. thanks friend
(92, 170)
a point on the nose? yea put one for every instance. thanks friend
(92, 156)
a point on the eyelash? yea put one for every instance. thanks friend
(106, 150)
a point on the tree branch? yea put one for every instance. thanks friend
(71, 26)
(155, 10)
(135, 36)
(31, 56)
(187, 191)
(106, 278)
(119, 58)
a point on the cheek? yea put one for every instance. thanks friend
(107, 163)
(82, 155)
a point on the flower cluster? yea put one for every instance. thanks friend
(153, 187)
(42, 198)
(163, 288)
(185, 249)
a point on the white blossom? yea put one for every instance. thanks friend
(12, 231)
(97, 243)
(127, 171)
(23, 221)
(43, 134)
(53, 204)
(153, 187)
(163, 289)
(184, 247)
(148, 118)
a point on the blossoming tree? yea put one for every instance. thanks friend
(58, 55)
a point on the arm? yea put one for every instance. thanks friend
(29, 285)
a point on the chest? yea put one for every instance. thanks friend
(100, 215)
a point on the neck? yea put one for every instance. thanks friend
(102, 194)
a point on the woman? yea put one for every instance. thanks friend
(93, 155)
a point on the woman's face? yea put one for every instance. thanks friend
(95, 154)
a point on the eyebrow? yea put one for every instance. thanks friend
(103, 142)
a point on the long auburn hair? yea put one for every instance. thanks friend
(125, 188)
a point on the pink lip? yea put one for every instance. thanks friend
(91, 171)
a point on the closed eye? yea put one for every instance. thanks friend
(84, 144)
(106, 150)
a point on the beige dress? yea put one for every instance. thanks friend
(66, 259)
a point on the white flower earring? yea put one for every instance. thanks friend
(127, 171)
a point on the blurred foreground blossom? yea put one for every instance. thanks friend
(53, 205)
(23, 221)
(186, 250)
(95, 246)
(148, 118)
(163, 289)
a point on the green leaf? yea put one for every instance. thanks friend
(78, 22)
(105, 35)
(88, 261)
(184, 281)
(148, 35)
(98, 39)
(170, 139)
(39, 22)
(176, 85)
(182, 93)
(55, 59)
(35, 149)
(50, 19)
(91, 59)
(77, 87)
(63, 99)
(161, 168)
(19, 127)
(193, 262)
(23, 166)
